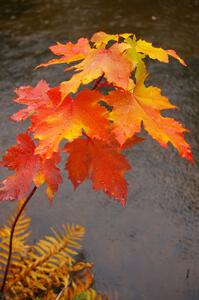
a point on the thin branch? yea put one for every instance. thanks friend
(12, 235)
(62, 291)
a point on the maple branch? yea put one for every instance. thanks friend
(98, 82)
(12, 235)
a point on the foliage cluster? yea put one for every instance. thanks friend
(97, 123)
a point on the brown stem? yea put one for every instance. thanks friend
(12, 235)
(98, 82)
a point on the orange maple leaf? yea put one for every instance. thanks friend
(111, 62)
(99, 162)
(101, 39)
(144, 105)
(33, 97)
(69, 52)
(29, 168)
(66, 121)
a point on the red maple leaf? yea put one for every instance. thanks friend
(33, 97)
(29, 168)
(99, 162)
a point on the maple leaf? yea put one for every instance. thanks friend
(135, 57)
(29, 168)
(20, 158)
(157, 53)
(99, 162)
(130, 142)
(50, 174)
(173, 53)
(66, 121)
(33, 97)
(144, 105)
(134, 140)
(101, 39)
(70, 52)
(110, 62)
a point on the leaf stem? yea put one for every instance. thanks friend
(98, 82)
(12, 235)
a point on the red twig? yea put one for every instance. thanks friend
(98, 81)
(12, 235)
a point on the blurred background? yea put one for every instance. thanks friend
(150, 249)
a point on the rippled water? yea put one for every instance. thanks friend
(145, 250)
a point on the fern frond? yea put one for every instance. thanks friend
(20, 247)
(90, 294)
(46, 270)
(50, 258)
(79, 283)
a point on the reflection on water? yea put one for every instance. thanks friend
(145, 250)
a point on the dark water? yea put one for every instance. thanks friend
(145, 250)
